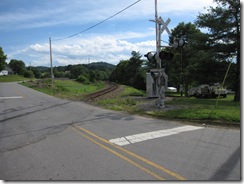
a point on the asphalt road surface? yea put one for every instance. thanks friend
(46, 138)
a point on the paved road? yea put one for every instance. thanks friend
(45, 138)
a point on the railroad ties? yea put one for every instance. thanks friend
(111, 87)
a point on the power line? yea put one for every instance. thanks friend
(98, 22)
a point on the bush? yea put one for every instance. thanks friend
(28, 74)
(83, 79)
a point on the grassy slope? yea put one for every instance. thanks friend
(190, 109)
(67, 89)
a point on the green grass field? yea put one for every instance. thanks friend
(187, 109)
(207, 110)
(12, 78)
(67, 89)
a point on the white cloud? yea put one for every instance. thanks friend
(111, 47)
(93, 48)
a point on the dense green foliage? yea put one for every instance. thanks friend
(28, 74)
(17, 66)
(194, 63)
(3, 58)
(130, 72)
(224, 25)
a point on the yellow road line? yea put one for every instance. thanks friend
(120, 156)
(135, 155)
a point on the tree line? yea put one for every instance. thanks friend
(85, 73)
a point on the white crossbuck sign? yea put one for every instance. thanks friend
(160, 21)
(164, 24)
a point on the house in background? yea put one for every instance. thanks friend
(6, 71)
(3, 72)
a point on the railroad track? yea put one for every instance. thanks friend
(109, 89)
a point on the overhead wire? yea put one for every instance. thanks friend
(97, 23)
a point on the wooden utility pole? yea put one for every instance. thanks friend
(51, 62)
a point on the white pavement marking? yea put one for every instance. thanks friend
(10, 97)
(152, 135)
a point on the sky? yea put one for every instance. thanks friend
(27, 25)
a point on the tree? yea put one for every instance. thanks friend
(130, 72)
(223, 22)
(187, 59)
(17, 66)
(77, 70)
(3, 58)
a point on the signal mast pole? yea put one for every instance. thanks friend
(158, 39)
(162, 77)
(160, 101)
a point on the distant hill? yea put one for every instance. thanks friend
(101, 70)
(99, 66)
(42, 68)
(94, 66)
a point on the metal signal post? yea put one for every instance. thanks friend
(161, 76)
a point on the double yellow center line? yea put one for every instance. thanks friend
(95, 139)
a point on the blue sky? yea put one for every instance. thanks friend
(26, 26)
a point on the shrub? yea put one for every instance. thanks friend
(28, 74)
(83, 79)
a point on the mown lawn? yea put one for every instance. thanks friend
(225, 110)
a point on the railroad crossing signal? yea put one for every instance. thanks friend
(164, 25)
(159, 75)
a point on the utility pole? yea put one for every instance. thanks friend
(51, 62)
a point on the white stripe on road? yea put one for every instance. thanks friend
(10, 97)
(151, 135)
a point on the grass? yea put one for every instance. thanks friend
(123, 102)
(12, 78)
(202, 110)
(189, 109)
(130, 91)
(66, 89)
(118, 104)
(181, 108)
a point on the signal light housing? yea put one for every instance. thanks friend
(164, 55)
